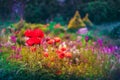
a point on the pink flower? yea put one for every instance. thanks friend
(1, 51)
(13, 39)
(82, 31)
(16, 56)
(100, 42)
(13, 48)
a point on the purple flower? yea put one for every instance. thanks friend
(112, 48)
(86, 38)
(0, 45)
(100, 42)
(13, 39)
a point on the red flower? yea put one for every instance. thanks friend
(57, 39)
(51, 41)
(30, 42)
(61, 55)
(46, 54)
(58, 72)
(47, 39)
(68, 55)
(33, 49)
(38, 33)
(28, 33)
(35, 36)
(63, 49)
(58, 51)
(37, 40)
(33, 41)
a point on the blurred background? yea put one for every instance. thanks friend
(42, 11)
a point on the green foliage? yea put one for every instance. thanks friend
(98, 11)
(51, 26)
(115, 33)
(39, 11)
(72, 30)
(59, 19)
(36, 11)
(102, 11)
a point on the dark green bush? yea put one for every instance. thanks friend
(115, 33)
(40, 10)
(98, 11)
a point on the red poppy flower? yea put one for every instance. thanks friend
(37, 40)
(58, 51)
(61, 55)
(33, 49)
(51, 41)
(30, 41)
(28, 33)
(35, 36)
(46, 54)
(68, 55)
(63, 49)
(57, 39)
(33, 41)
(38, 33)
(47, 39)
(58, 72)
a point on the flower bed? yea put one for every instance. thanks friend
(81, 58)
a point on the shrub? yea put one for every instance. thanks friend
(98, 11)
(115, 33)
(76, 22)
